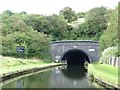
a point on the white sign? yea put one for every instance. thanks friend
(91, 50)
(57, 57)
(75, 46)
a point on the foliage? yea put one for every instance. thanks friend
(13, 24)
(85, 31)
(6, 14)
(96, 21)
(16, 32)
(35, 31)
(94, 25)
(109, 52)
(81, 14)
(37, 22)
(110, 37)
(54, 26)
(70, 33)
(57, 27)
(69, 14)
(36, 44)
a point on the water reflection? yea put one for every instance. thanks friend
(74, 72)
(20, 83)
(71, 77)
(59, 77)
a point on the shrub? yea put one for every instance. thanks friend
(36, 44)
(109, 52)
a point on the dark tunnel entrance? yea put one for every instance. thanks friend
(75, 57)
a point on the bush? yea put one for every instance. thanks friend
(110, 37)
(109, 52)
(36, 44)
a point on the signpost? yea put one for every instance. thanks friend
(21, 50)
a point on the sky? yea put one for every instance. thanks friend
(48, 7)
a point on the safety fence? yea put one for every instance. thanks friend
(114, 61)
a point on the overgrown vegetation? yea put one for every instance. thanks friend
(108, 53)
(110, 37)
(109, 44)
(34, 31)
(36, 44)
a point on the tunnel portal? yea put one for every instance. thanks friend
(75, 51)
(75, 57)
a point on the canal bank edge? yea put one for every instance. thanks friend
(104, 83)
(9, 75)
(100, 81)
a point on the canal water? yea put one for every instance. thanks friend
(58, 77)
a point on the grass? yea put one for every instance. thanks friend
(9, 61)
(9, 64)
(104, 72)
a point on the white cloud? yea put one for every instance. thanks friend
(52, 6)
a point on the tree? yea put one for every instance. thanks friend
(69, 14)
(16, 32)
(57, 27)
(23, 12)
(7, 13)
(81, 14)
(96, 19)
(37, 22)
(110, 37)
(84, 31)
(13, 24)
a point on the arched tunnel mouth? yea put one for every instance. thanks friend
(75, 57)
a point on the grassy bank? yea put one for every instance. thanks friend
(105, 72)
(8, 64)
(9, 61)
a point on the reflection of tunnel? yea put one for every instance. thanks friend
(75, 57)
(74, 72)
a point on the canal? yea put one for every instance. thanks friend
(71, 76)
